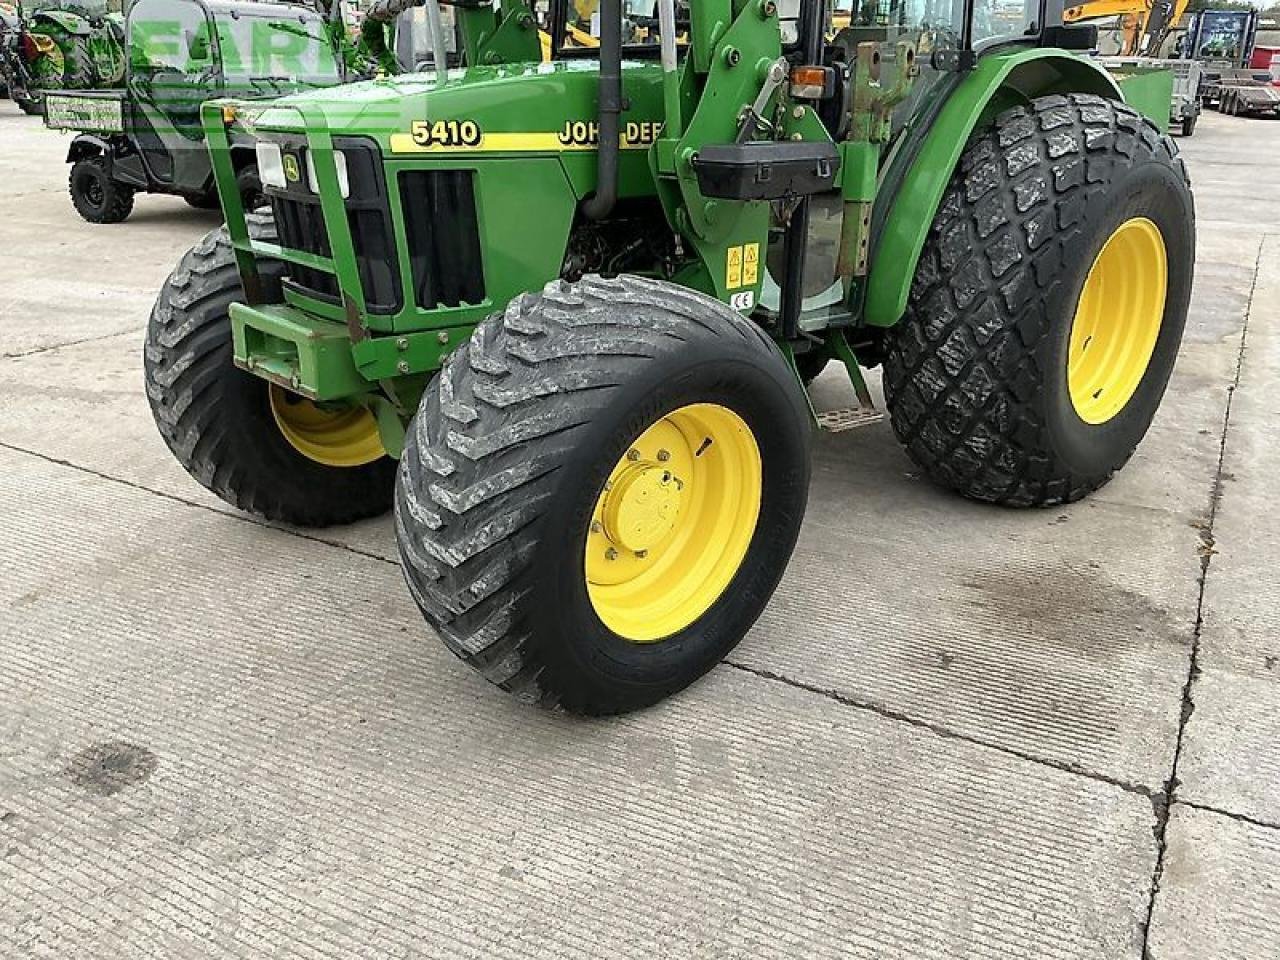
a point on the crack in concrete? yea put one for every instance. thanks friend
(1239, 817)
(36, 351)
(948, 733)
(241, 517)
(1206, 551)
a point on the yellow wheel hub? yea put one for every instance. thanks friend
(346, 437)
(1117, 320)
(673, 523)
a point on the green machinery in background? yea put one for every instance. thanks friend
(146, 133)
(562, 315)
(70, 45)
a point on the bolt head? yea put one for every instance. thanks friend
(596, 527)
(402, 343)
(798, 113)
(611, 554)
(442, 337)
(403, 366)
(664, 456)
(633, 454)
(641, 554)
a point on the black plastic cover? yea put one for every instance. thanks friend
(766, 169)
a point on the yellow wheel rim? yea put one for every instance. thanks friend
(1117, 320)
(673, 523)
(347, 437)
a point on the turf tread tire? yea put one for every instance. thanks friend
(963, 368)
(485, 452)
(214, 417)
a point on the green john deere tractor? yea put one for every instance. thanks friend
(561, 314)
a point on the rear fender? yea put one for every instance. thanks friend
(87, 145)
(1000, 81)
(77, 26)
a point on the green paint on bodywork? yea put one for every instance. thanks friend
(295, 350)
(1149, 90)
(1023, 74)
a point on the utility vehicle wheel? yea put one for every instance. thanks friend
(31, 106)
(601, 490)
(258, 447)
(202, 201)
(1048, 304)
(97, 197)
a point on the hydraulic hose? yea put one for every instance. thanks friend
(609, 110)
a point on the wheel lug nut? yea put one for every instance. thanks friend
(633, 454)
(611, 554)
(663, 456)
(595, 526)
(642, 554)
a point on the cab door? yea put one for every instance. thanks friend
(173, 69)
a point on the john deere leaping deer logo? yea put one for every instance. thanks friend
(291, 168)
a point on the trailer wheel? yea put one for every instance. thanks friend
(1048, 304)
(258, 447)
(96, 197)
(601, 490)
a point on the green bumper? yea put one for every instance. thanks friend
(291, 348)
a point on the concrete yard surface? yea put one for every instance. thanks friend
(957, 731)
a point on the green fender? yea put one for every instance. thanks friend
(70, 22)
(999, 81)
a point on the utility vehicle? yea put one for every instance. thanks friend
(147, 135)
(561, 315)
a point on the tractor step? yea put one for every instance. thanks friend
(848, 418)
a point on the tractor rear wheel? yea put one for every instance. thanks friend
(260, 448)
(601, 490)
(1048, 304)
(97, 197)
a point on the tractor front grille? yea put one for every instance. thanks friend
(300, 224)
(443, 237)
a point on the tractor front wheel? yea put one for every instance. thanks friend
(601, 490)
(259, 447)
(1048, 304)
(97, 197)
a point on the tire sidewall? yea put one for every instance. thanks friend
(768, 399)
(1155, 191)
(83, 174)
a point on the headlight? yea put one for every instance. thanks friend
(340, 162)
(270, 164)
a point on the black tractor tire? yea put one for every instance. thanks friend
(78, 72)
(249, 186)
(975, 373)
(512, 446)
(810, 365)
(31, 106)
(96, 197)
(217, 419)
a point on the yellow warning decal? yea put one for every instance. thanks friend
(733, 267)
(750, 264)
